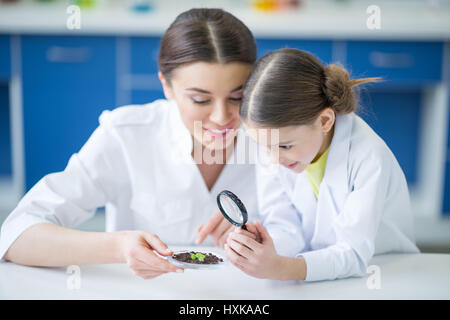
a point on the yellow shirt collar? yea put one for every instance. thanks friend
(316, 170)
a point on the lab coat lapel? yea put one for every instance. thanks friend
(181, 138)
(303, 196)
(334, 187)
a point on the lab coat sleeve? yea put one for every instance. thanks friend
(355, 225)
(278, 214)
(69, 197)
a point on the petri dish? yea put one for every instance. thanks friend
(199, 266)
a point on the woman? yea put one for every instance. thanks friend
(339, 195)
(156, 168)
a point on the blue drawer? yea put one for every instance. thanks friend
(144, 83)
(446, 196)
(67, 82)
(384, 111)
(5, 57)
(5, 132)
(446, 202)
(144, 53)
(145, 96)
(321, 49)
(414, 63)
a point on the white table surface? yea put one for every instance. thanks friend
(402, 276)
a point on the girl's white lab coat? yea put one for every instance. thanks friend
(138, 165)
(363, 206)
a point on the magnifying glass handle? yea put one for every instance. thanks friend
(244, 227)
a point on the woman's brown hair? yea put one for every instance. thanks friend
(291, 87)
(205, 35)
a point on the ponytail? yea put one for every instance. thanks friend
(338, 88)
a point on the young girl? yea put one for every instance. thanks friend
(339, 196)
(141, 162)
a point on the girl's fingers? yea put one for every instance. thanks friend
(242, 267)
(240, 249)
(265, 236)
(233, 257)
(245, 240)
(249, 233)
(251, 228)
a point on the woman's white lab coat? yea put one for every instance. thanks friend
(138, 165)
(363, 207)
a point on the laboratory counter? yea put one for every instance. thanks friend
(390, 276)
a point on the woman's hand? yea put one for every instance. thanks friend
(138, 248)
(218, 227)
(256, 258)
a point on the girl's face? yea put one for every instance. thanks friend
(298, 146)
(208, 96)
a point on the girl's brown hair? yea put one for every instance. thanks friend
(207, 35)
(291, 87)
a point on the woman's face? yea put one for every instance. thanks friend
(297, 146)
(208, 96)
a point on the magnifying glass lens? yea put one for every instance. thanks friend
(232, 208)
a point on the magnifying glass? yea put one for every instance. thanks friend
(232, 208)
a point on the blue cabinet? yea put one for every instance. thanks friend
(144, 52)
(5, 133)
(398, 63)
(393, 107)
(322, 49)
(446, 196)
(5, 58)
(395, 117)
(143, 65)
(67, 82)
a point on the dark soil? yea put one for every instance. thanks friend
(186, 257)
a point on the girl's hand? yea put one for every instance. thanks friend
(218, 227)
(257, 259)
(138, 252)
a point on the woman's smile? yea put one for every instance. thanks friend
(218, 133)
